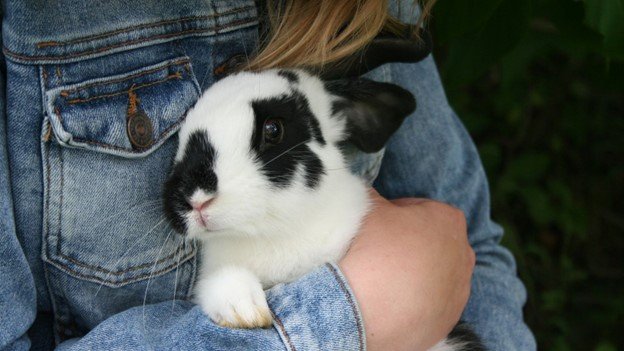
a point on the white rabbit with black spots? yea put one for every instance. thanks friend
(260, 179)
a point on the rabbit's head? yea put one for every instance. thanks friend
(257, 145)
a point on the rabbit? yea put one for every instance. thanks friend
(260, 179)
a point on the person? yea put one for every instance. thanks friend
(93, 95)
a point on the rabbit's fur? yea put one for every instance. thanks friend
(270, 206)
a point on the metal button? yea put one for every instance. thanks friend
(140, 130)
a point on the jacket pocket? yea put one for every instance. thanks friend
(107, 147)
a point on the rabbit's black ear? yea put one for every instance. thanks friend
(373, 110)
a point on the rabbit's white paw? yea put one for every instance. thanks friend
(233, 297)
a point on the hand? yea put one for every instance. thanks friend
(410, 268)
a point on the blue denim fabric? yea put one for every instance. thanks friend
(85, 252)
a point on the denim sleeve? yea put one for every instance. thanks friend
(433, 156)
(17, 286)
(316, 312)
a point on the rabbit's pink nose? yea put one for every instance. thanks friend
(200, 205)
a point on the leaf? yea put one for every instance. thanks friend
(607, 17)
(570, 34)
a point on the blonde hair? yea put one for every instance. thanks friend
(310, 33)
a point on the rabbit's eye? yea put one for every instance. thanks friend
(273, 131)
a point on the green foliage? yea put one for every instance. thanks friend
(473, 33)
(540, 86)
(605, 16)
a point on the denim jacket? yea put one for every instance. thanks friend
(87, 260)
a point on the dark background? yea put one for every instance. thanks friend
(540, 86)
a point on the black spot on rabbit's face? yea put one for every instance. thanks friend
(194, 171)
(280, 160)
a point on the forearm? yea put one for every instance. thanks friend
(316, 312)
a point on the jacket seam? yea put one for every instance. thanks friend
(283, 331)
(97, 279)
(76, 101)
(43, 44)
(122, 79)
(351, 301)
(47, 198)
(130, 269)
(9, 53)
(60, 207)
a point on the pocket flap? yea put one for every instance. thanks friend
(127, 115)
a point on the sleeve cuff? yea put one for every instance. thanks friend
(318, 312)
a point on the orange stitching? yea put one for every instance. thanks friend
(137, 27)
(46, 43)
(48, 133)
(169, 77)
(44, 77)
(66, 93)
(133, 101)
(8, 52)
